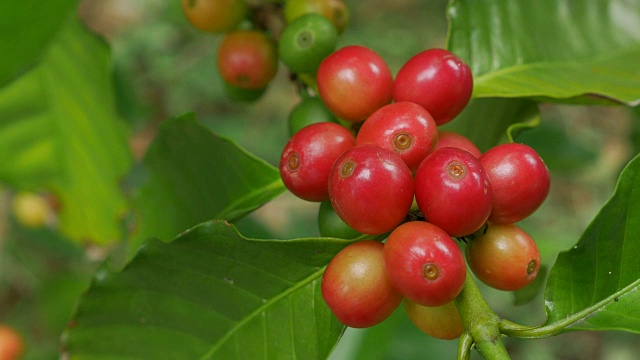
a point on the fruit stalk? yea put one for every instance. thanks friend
(480, 321)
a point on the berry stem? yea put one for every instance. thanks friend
(481, 323)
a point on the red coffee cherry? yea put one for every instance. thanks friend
(456, 140)
(437, 80)
(307, 159)
(215, 15)
(371, 189)
(354, 82)
(520, 181)
(247, 59)
(441, 322)
(356, 288)
(505, 257)
(424, 263)
(404, 128)
(11, 343)
(453, 191)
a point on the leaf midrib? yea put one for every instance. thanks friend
(313, 276)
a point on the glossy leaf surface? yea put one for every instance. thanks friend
(194, 175)
(59, 131)
(210, 294)
(566, 51)
(594, 285)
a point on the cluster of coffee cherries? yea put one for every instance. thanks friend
(388, 171)
(300, 33)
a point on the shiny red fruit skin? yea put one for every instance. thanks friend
(454, 139)
(354, 82)
(371, 189)
(520, 181)
(415, 247)
(356, 288)
(308, 157)
(247, 59)
(437, 80)
(405, 128)
(505, 257)
(453, 191)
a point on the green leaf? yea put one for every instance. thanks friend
(210, 294)
(594, 285)
(26, 27)
(567, 51)
(485, 121)
(194, 175)
(59, 130)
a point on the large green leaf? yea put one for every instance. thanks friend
(594, 285)
(26, 26)
(194, 175)
(210, 294)
(569, 51)
(59, 130)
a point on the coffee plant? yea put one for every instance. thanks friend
(275, 179)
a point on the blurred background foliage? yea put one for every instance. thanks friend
(162, 68)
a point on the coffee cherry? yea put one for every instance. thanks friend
(247, 59)
(371, 189)
(306, 42)
(505, 257)
(456, 140)
(441, 322)
(215, 15)
(307, 159)
(356, 288)
(330, 224)
(424, 263)
(11, 343)
(354, 82)
(520, 181)
(308, 111)
(437, 80)
(334, 10)
(404, 128)
(453, 191)
(237, 94)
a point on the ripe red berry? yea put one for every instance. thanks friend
(454, 139)
(505, 257)
(371, 189)
(307, 159)
(354, 82)
(11, 343)
(404, 128)
(520, 181)
(424, 263)
(441, 322)
(247, 59)
(356, 288)
(437, 80)
(453, 191)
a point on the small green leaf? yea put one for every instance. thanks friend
(567, 51)
(594, 285)
(26, 27)
(194, 175)
(210, 294)
(59, 130)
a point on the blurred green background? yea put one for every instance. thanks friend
(163, 68)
